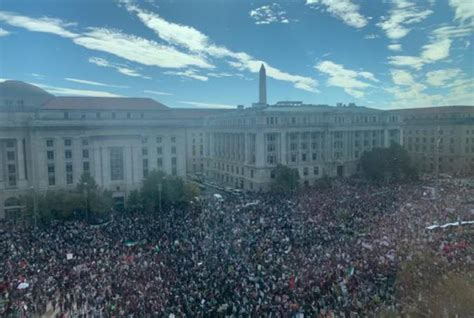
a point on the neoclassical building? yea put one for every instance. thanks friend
(243, 147)
(47, 142)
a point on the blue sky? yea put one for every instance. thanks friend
(183, 53)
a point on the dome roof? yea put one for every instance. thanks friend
(14, 93)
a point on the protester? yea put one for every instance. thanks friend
(319, 252)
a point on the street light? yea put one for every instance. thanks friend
(160, 188)
(35, 206)
(87, 200)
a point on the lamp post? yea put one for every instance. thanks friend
(35, 206)
(87, 200)
(160, 188)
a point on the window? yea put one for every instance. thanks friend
(315, 156)
(69, 175)
(50, 155)
(67, 142)
(293, 158)
(159, 139)
(10, 155)
(144, 151)
(173, 171)
(305, 171)
(252, 173)
(116, 163)
(145, 168)
(173, 138)
(85, 153)
(51, 177)
(316, 171)
(11, 169)
(85, 142)
(159, 150)
(160, 162)
(49, 143)
(68, 154)
(173, 150)
(10, 144)
(86, 166)
(173, 161)
(303, 157)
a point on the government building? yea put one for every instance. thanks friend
(47, 142)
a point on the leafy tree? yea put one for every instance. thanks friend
(387, 164)
(96, 200)
(134, 202)
(174, 191)
(286, 178)
(150, 192)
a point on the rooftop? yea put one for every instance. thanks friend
(102, 103)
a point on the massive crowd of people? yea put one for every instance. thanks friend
(331, 252)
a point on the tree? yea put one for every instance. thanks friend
(134, 202)
(174, 191)
(96, 200)
(150, 191)
(286, 178)
(387, 164)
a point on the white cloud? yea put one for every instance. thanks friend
(395, 47)
(403, 14)
(188, 73)
(345, 10)
(157, 93)
(464, 10)
(4, 32)
(199, 43)
(371, 36)
(81, 81)
(401, 77)
(436, 51)
(268, 14)
(45, 25)
(119, 67)
(441, 77)
(349, 80)
(222, 74)
(206, 105)
(74, 92)
(137, 49)
(405, 60)
(450, 31)
(432, 52)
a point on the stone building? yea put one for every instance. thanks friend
(243, 147)
(442, 136)
(48, 142)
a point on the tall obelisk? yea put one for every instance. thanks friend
(262, 92)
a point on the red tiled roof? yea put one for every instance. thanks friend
(102, 103)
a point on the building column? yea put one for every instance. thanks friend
(260, 150)
(20, 163)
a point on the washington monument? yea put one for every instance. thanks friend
(262, 96)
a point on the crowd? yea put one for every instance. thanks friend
(331, 252)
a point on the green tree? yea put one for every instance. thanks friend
(134, 202)
(387, 164)
(286, 178)
(96, 200)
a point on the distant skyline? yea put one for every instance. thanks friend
(381, 54)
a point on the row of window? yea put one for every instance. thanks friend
(99, 115)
